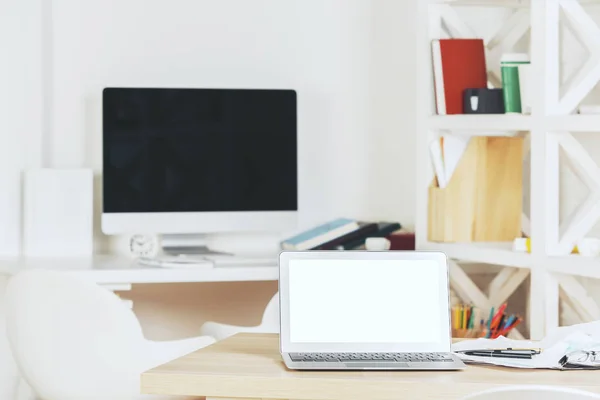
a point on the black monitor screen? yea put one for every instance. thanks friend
(199, 150)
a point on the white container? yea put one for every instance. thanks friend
(525, 87)
(377, 244)
(58, 213)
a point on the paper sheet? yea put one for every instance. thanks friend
(558, 343)
(453, 149)
(435, 147)
(446, 153)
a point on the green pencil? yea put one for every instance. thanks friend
(489, 323)
(471, 323)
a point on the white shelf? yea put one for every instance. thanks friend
(492, 124)
(502, 254)
(122, 270)
(500, 3)
(574, 123)
(510, 125)
(487, 253)
(485, 3)
(574, 264)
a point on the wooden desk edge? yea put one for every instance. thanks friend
(183, 378)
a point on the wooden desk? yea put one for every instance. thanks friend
(249, 366)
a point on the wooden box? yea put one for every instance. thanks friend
(483, 199)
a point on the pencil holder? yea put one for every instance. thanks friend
(467, 333)
(482, 202)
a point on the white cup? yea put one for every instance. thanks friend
(377, 244)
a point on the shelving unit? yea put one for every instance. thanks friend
(471, 124)
(550, 265)
(485, 253)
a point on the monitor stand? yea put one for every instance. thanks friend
(193, 247)
(194, 244)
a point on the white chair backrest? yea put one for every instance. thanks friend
(529, 392)
(71, 338)
(9, 374)
(271, 314)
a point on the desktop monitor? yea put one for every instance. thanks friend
(186, 161)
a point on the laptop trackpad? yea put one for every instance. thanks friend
(376, 365)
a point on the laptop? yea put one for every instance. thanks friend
(365, 310)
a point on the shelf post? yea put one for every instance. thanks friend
(429, 26)
(543, 303)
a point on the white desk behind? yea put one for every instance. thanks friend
(123, 271)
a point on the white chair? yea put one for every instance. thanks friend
(9, 374)
(269, 324)
(528, 392)
(73, 340)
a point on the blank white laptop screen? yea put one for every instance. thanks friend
(365, 301)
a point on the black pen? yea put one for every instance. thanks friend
(499, 354)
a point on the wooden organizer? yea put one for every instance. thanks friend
(483, 199)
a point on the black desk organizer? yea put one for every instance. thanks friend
(483, 101)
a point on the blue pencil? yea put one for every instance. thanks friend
(509, 322)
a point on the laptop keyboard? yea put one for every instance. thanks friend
(366, 357)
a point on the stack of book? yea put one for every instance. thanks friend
(340, 234)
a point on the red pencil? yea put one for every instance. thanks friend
(498, 315)
(507, 330)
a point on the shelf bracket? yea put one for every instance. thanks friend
(579, 223)
(588, 32)
(512, 278)
(578, 298)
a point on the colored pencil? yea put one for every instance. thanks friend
(509, 328)
(471, 317)
(489, 323)
(509, 321)
(501, 322)
(498, 315)
(455, 322)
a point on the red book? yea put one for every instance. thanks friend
(458, 64)
(402, 240)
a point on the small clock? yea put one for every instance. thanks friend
(143, 246)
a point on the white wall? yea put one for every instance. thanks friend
(324, 49)
(350, 60)
(21, 110)
(392, 138)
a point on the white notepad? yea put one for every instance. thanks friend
(58, 214)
